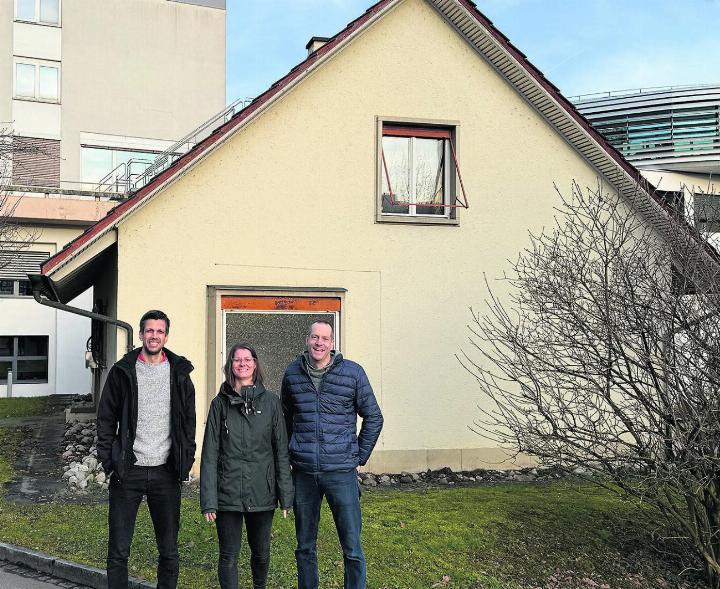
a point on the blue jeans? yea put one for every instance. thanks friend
(343, 496)
(159, 485)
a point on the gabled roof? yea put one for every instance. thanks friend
(489, 42)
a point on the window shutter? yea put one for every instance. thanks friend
(15, 265)
(36, 162)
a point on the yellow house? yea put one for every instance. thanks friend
(340, 192)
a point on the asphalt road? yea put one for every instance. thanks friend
(17, 577)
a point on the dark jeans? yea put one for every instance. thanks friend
(229, 530)
(343, 496)
(162, 490)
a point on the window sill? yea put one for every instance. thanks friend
(37, 22)
(40, 100)
(416, 220)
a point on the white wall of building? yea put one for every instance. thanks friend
(73, 331)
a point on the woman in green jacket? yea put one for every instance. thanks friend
(245, 469)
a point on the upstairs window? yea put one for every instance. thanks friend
(418, 168)
(36, 81)
(40, 11)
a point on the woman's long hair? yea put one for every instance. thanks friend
(230, 377)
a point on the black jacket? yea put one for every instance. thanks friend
(118, 414)
(244, 465)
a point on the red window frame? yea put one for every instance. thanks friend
(394, 130)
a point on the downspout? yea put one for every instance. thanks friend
(42, 284)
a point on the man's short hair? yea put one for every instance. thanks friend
(332, 329)
(155, 314)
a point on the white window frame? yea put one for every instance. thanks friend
(36, 15)
(37, 64)
(450, 216)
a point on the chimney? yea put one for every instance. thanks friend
(315, 43)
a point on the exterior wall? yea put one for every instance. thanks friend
(138, 68)
(290, 201)
(7, 13)
(66, 333)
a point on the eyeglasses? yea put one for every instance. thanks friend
(246, 361)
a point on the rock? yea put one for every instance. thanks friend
(83, 467)
(385, 480)
(406, 479)
(370, 482)
(415, 476)
(100, 478)
(72, 480)
(67, 474)
(82, 484)
(90, 462)
(67, 455)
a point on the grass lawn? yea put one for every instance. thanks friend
(554, 536)
(23, 406)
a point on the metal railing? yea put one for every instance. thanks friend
(632, 91)
(130, 182)
(120, 179)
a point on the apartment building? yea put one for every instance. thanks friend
(91, 93)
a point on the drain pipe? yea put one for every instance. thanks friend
(44, 285)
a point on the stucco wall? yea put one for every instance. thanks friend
(138, 68)
(7, 13)
(291, 201)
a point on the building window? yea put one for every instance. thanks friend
(26, 356)
(707, 212)
(98, 162)
(37, 82)
(40, 11)
(418, 170)
(15, 288)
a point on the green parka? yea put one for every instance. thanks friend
(244, 465)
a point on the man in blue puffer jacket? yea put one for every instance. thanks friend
(322, 395)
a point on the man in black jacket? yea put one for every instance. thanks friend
(146, 444)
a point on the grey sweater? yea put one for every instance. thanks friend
(152, 437)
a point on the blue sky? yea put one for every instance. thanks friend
(582, 46)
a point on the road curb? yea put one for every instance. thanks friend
(62, 569)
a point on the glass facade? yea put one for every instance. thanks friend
(675, 128)
(98, 162)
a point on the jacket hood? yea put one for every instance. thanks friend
(178, 363)
(254, 391)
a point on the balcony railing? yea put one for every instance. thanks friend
(127, 178)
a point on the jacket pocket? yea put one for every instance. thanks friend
(116, 457)
(270, 478)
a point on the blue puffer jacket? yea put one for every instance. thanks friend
(322, 424)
